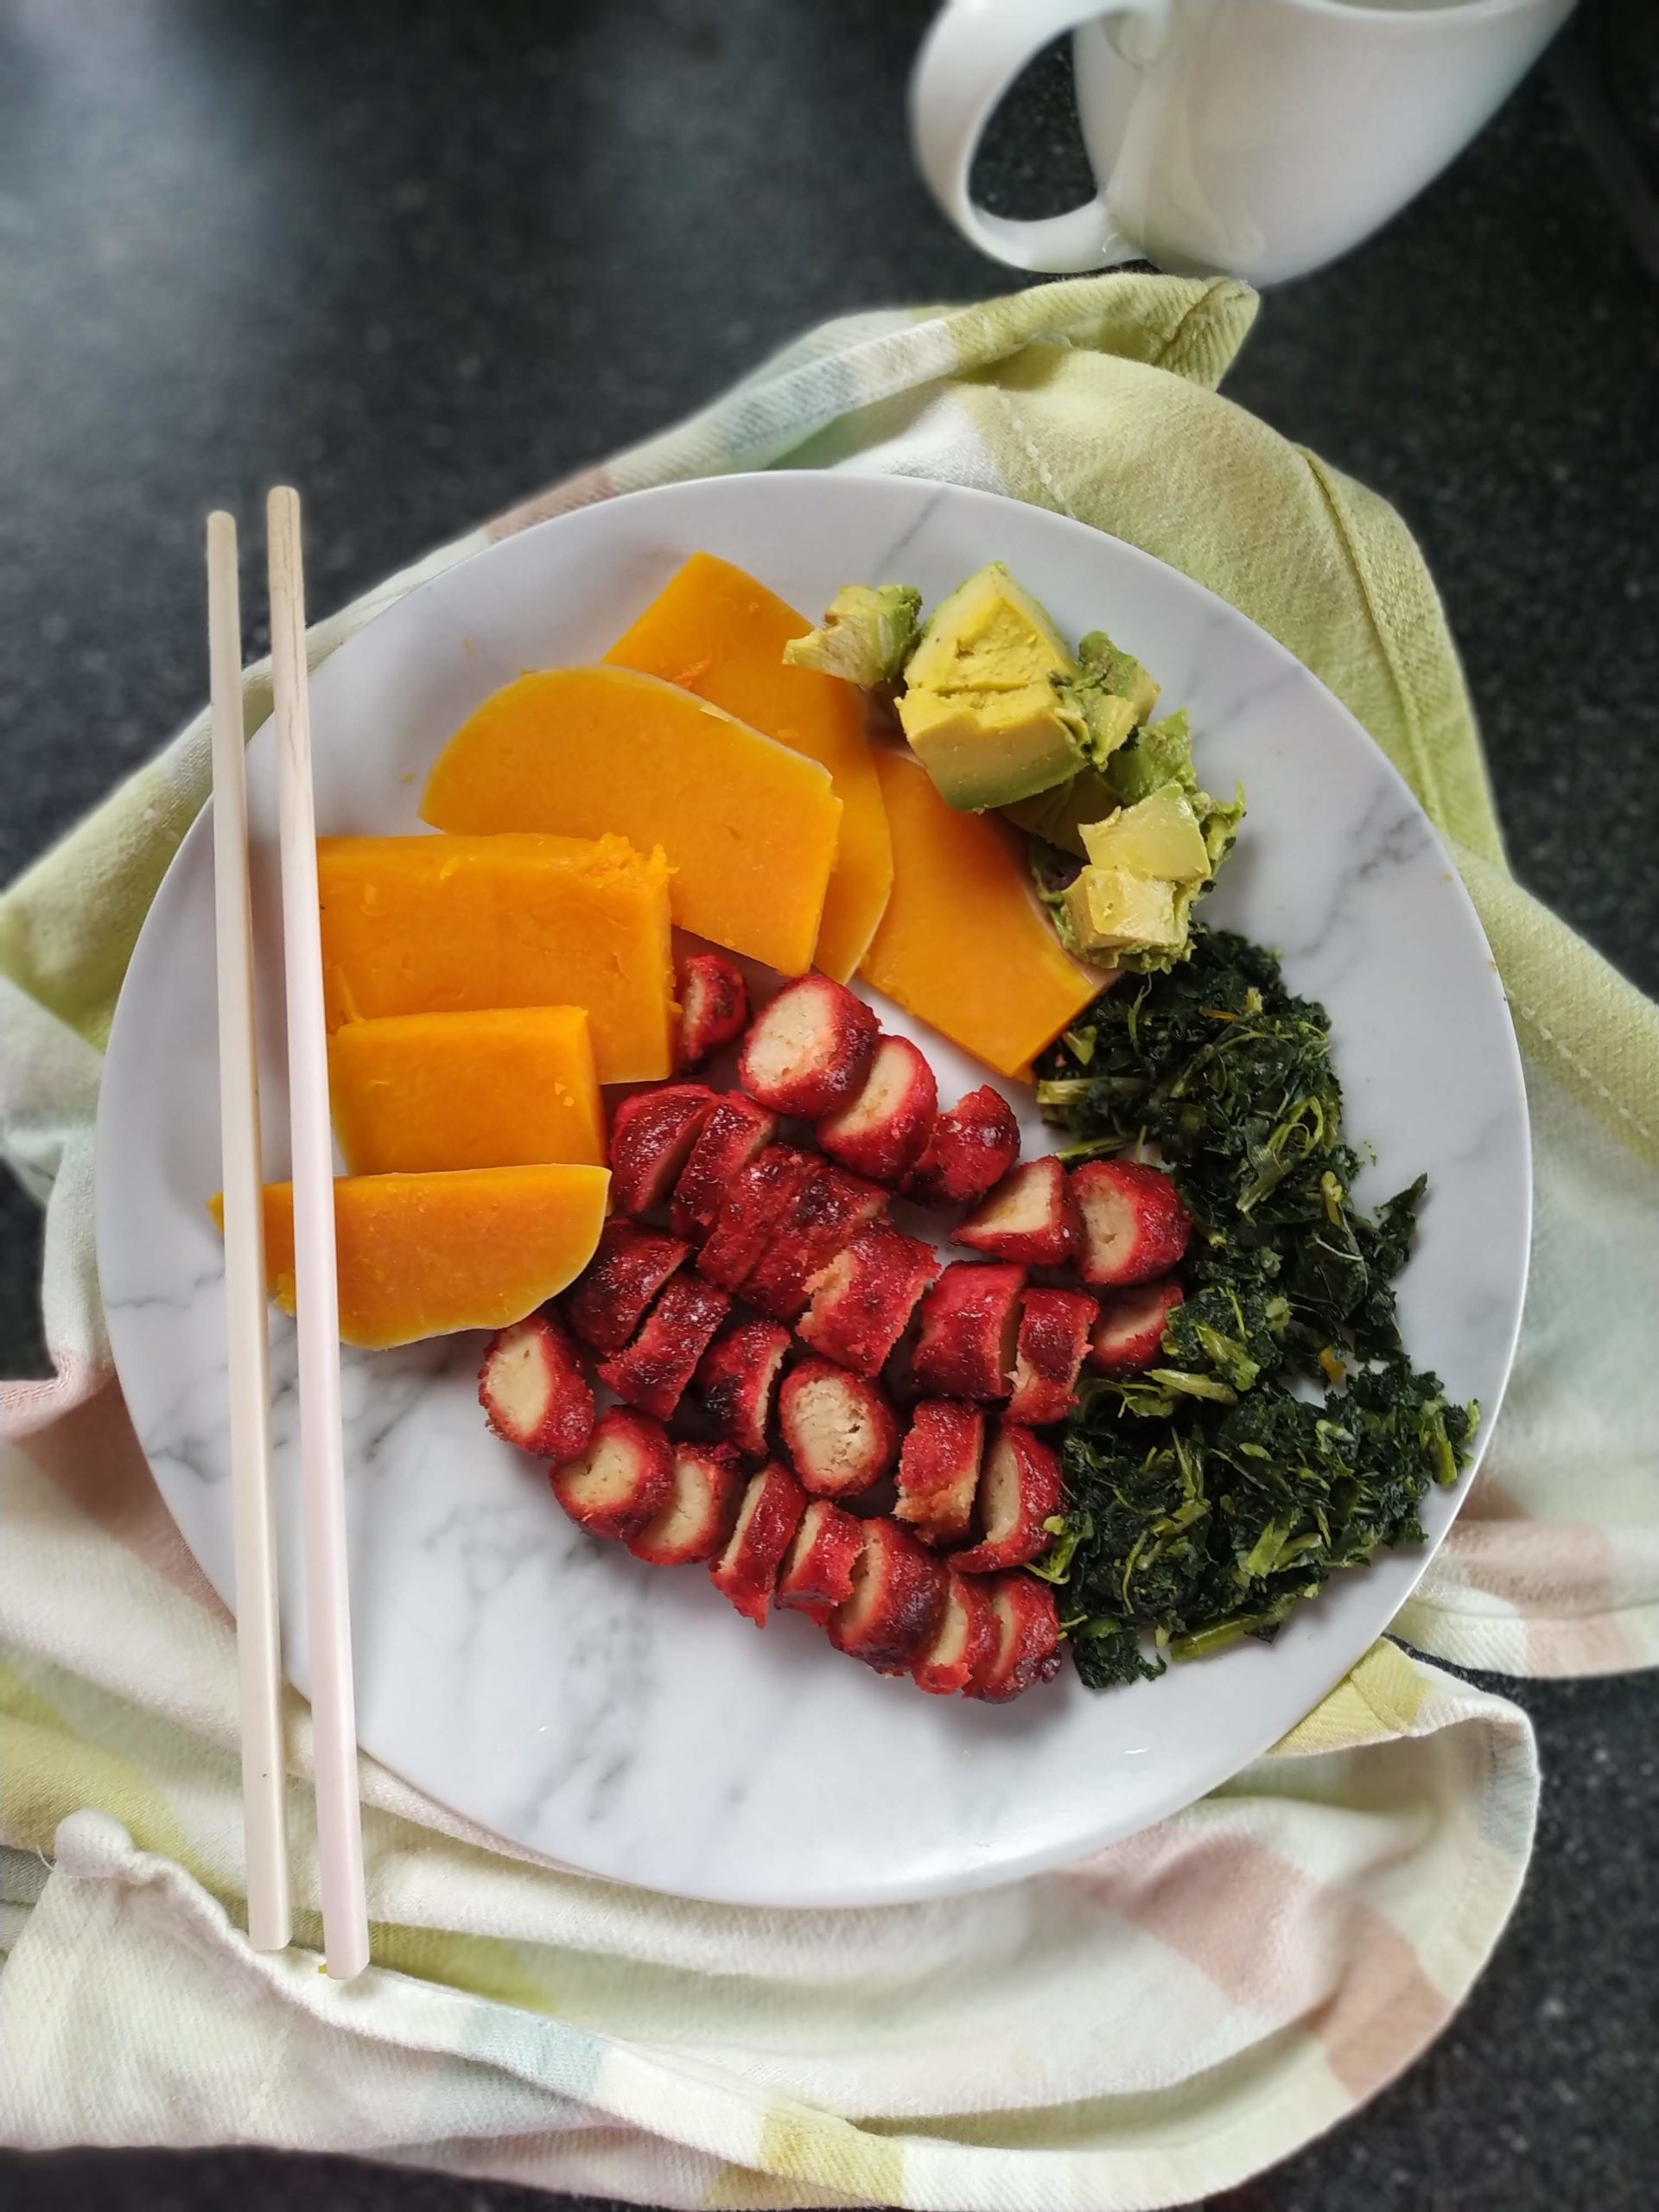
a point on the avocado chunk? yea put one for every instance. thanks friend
(987, 635)
(1102, 706)
(982, 705)
(1150, 852)
(1162, 753)
(1159, 835)
(1110, 695)
(987, 748)
(1117, 672)
(1112, 910)
(1058, 814)
(1100, 721)
(869, 632)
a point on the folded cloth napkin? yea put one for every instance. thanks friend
(1143, 2029)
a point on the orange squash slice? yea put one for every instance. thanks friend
(749, 827)
(423, 1255)
(715, 631)
(450, 924)
(964, 943)
(514, 1087)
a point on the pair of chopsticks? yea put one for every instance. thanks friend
(340, 1838)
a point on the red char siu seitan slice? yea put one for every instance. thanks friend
(970, 1327)
(534, 1391)
(939, 1470)
(1054, 1330)
(883, 1131)
(1020, 1488)
(817, 1572)
(828, 1213)
(1029, 1217)
(747, 1570)
(864, 1300)
(700, 1512)
(653, 1371)
(807, 1051)
(608, 1302)
(1130, 1335)
(623, 1478)
(651, 1135)
(761, 1196)
(736, 1131)
(898, 1588)
(839, 1430)
(970, 1150)
(1027, 1649)
(965, 1641)
(713, 1008)
(1135, 1225)
(737, 1381)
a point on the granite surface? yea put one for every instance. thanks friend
(422, 258)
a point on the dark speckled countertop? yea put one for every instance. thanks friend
(423, 258)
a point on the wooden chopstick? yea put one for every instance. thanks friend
(258, 1643)
(334, 1721)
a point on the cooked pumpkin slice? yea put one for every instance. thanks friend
(423, 1255)
(447, 924)
(749, 827)
(964, 943)
(514, 1087)
(717, 631)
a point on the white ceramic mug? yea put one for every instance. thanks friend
(1256, 138)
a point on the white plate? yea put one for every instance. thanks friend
(624, 1719)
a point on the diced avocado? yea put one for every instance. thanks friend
(1160, 754)
(1111, 911)
(1158, 843)
(1111, 693)
(1100, 721)
(869, 632)
(981, 707)
(1058, 815)
(988, 635)
(1159, 835)
(987, 748)
(1118, 672)
(1220, 823)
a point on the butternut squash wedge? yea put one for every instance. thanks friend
(459, 925)
(748, 826)
(423, 1255)
(514, 1087)
(964, 943)
(717, 631)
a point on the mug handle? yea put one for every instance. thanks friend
(973, 53)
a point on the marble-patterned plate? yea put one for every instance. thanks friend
(626, 1720)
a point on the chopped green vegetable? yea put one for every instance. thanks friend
(1209, 1495)
(869, 632)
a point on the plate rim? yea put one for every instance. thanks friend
(782, 484)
